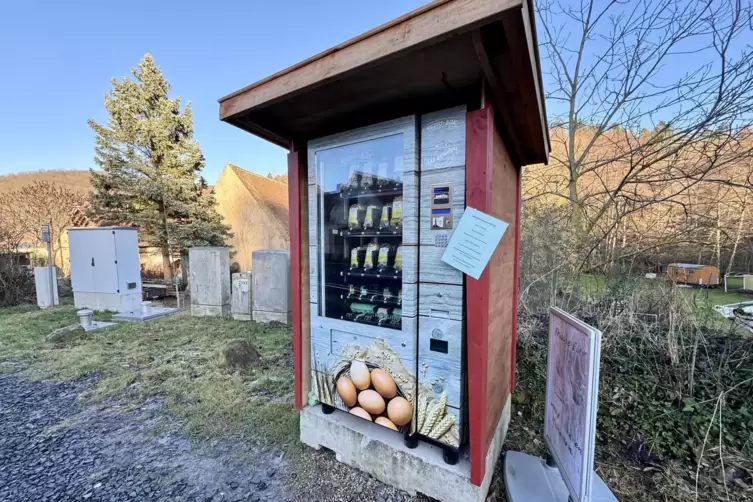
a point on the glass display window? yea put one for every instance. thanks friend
(360, 206)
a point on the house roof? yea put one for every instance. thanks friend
(272, 194)
(445, 53)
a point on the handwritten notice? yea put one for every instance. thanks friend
(572, 400)
(473, 242)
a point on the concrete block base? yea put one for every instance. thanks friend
(210, 310)
(381, 453)
(262, 316)
(140, 316)
(242, 317)
(98, 325)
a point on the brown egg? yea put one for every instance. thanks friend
(383, 383)
(360, 412)
(371, 401)
(347, 391)
(359, 373)
(399, 410)
(386, 422)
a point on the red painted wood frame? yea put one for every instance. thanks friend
(480, 131)
(296, 170)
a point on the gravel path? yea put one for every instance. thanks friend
(52, 449)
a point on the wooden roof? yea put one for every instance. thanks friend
(435, 56)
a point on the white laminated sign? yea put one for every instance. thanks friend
(572, 400)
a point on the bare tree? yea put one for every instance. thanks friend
(648, 98)
(43, 203)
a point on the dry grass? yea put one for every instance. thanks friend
(177, 358)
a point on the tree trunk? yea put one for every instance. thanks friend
(737, 234)
(167, 267)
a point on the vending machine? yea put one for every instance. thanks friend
(387, 323)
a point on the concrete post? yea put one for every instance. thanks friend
(45, 279)
(209, 269)
(271, 286)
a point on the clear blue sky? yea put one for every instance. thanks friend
(57, 59)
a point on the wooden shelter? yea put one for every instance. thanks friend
(480, 54)
(695, 274)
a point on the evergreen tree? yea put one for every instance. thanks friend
(151, 168)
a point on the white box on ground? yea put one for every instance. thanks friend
(105, 270)
(270, 293)
(572, 400)
(209, 269)
(44, 278)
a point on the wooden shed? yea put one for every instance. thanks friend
(449, 100)
(694, 274)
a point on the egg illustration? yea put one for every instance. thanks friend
(360, 412)
(371, 401)
(383, 383)
(359, 374)
(399, 411)
(386, 422)
(347, 391)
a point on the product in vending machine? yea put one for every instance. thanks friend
(372, 250)
(373, 213)
(382, 313)
(385, 253)
(384, 221)
(396, 218)
(356, 257)
(399, 259)
(367, 175)
(356, 215)
(351, 290)
(387, 294)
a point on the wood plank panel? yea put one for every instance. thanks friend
(443, 139)
(438, 21)
(441, 300)
(299, 275)
(479, 129)
(502, 306)
(441, 372)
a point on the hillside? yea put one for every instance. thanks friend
(72, 180)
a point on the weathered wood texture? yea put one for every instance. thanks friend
(439, 371)
(443, 139)
(299, 275)
(502, 270)
(438, 20)
(441, 300)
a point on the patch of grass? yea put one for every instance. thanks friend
(178, 358)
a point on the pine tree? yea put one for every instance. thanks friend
(151, 168)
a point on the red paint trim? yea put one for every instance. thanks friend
(515, 287)
(294, 204)
(478, 159)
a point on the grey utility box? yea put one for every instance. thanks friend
(105, 270)
(271, 286)
(210, 280)
(241, 306)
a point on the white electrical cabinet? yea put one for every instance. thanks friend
(105, 271)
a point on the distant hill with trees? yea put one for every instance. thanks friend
(76, 181)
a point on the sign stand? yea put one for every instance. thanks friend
(570, 422)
